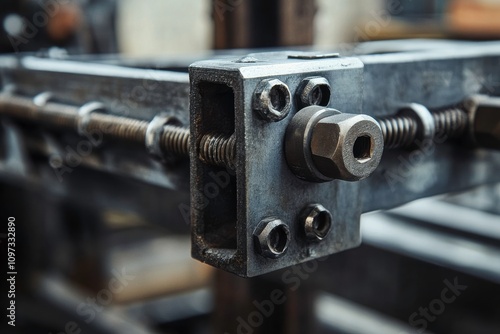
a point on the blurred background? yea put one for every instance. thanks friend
(74, 245)
(152, 28)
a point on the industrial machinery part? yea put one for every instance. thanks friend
(484, 121)
(273, 137)
(272, 237)
(272, 100)
(292, 160)
(166, 137)
(323, 144)
(415, 122)
(314, 91)
(317, 222)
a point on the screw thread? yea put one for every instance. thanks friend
(214, 149)
(54, 114)
(175, 140)
(398, 131)
(118, 127)
(401, 131)
(219, 150)
(451, 122)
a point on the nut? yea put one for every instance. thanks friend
(484, 113)
(272, 100)
(314, 91)
(347, 146)
(298, 142)
(271, 238)
(426, 127)
(317, 222)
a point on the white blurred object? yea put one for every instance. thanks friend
(159, 27)
(339, 21)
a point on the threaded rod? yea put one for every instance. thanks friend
(215, 149)
(401, 131)
(398, 131)
(218, 150)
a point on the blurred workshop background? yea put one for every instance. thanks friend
(168, 286)
(142, 32)
(152, 28)
(321, 23)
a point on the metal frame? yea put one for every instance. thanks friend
(228, 205)
(265, 187)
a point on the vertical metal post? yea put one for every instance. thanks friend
(263, 23)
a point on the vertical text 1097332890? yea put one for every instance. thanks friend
(11, 271)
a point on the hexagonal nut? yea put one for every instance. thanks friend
(271, 238)
(347, 146)
(484, 114)
(271, 100)
(314, 91)
(317, 222)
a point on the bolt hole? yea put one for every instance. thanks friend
(362, 149)
(320, 95)
(278, 239)
(279, 98)
(322, 224)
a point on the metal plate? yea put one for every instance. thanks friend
(263, 185)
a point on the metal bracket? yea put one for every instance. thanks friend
(227, 205)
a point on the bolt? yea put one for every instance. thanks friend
(415, 122)
(218, 150)
(174, 139)
(314, 91)
(298, 142)
(323, 144)
(271, 238)
(484, 121)
(347, 146)
(477, 119)
(317, 222)
(272, 100)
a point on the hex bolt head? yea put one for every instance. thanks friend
(271, 238)
(317, 222)
(322, 144)
(298, 142)
(271, 100)
(347, 146)
(314, 91)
